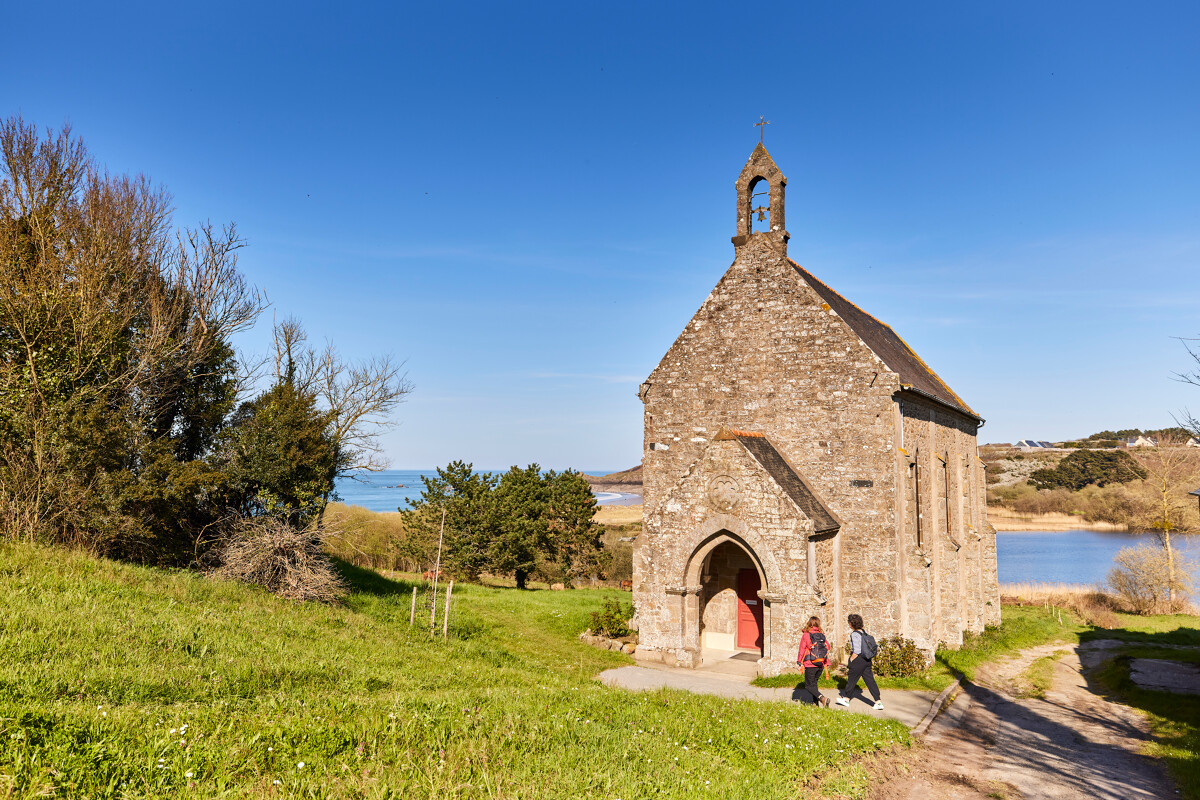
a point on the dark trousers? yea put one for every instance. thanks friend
(861, 668)
(811, 676)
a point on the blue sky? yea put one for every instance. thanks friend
(528, 201)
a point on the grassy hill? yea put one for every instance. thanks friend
(122, 681)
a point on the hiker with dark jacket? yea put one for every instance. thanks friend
(862, 650)
(813, 657)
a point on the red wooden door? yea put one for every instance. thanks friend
(750, 615)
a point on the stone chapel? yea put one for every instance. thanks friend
(800, 459)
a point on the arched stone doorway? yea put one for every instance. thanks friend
(727, 605)
(731, 612)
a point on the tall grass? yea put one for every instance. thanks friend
(128, 682)
(370, 539)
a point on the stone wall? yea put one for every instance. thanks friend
(948, 547)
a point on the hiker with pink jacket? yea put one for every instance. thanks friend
(813, 657)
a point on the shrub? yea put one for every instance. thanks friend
(612, 619)
(372, 539)
(1093, 607)
(1141, 577)
(282, 559)
(1084, 467)
(899, 658)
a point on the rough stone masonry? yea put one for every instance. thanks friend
(800, 459)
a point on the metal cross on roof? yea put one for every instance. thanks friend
(761, 127)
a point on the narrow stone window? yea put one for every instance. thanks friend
(914, 473)
(946, 494)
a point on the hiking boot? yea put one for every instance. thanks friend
(878, 706)
(824, 701)
(843, 700)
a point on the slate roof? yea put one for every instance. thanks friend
(914, 373)
(788, 479)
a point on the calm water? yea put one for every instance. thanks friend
(1070, 556)
(393, 489)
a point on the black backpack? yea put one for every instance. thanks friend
(820, 646)
(869, 648)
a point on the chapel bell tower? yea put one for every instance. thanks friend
(760, 202)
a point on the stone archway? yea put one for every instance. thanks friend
(730, 608)
(729, 581)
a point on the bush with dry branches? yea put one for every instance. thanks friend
(287, 561)
(1091, 605)
(1149, 582)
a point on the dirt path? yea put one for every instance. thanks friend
(1070, 744)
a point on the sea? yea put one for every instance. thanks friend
(396, 489)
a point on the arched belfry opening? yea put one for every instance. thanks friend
(760, 201)
(759, 198)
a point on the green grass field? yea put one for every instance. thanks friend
(121, 681)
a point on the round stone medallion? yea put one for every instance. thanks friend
(724, 492)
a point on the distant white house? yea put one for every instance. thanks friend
(1193, 442)
(1140, 441)
(1029, 445)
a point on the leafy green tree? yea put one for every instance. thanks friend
(1085, 467)
(575, 546)
(466, 498)
(1118, 436)
(523, 527)
(116, 370)
(524, 523)
(278, 455)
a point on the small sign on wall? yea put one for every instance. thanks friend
(858, 483)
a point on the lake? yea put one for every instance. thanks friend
(392, 489)
(1070, 556)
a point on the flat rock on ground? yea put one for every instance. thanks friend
(1161, 675)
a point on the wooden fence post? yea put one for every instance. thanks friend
(446, 613)
(412, 615)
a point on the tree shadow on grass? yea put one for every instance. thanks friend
(1178, 713)
(1179, 636)
(367, 581)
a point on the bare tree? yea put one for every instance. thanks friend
(1172, 470)
(358, 396)
(1186, 419)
